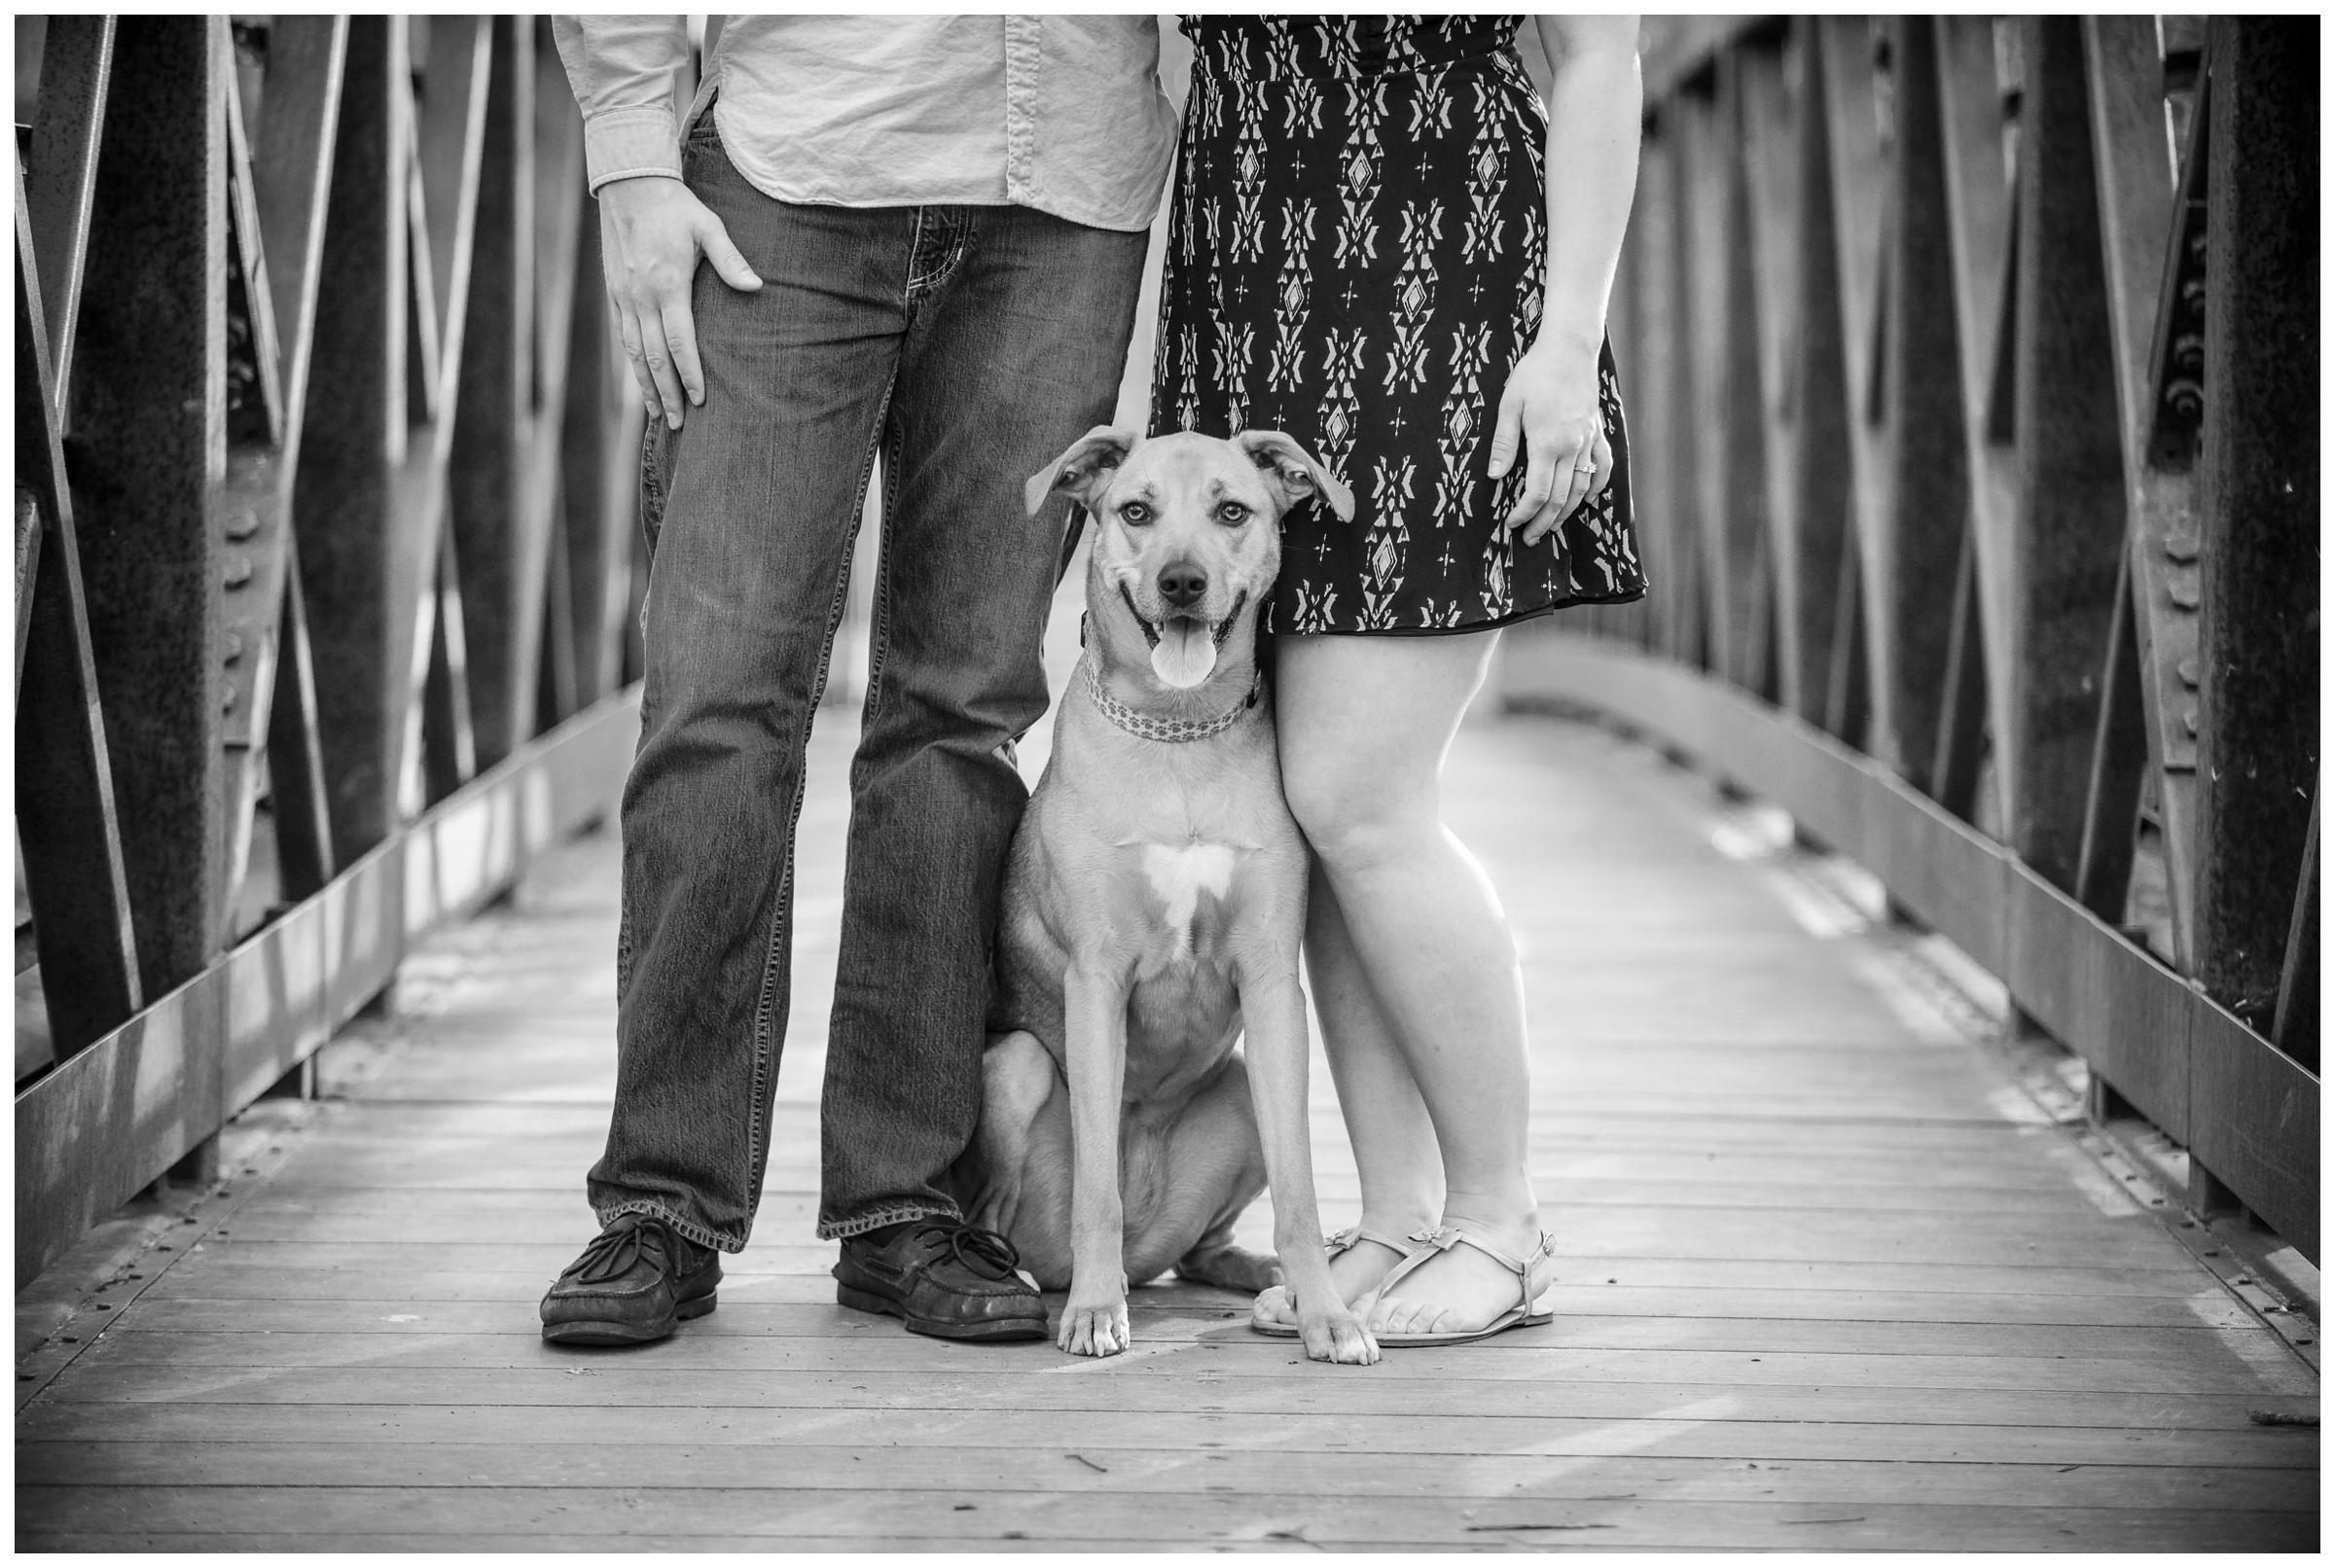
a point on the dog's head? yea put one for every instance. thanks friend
(1187, 537)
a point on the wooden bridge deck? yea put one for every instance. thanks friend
(1830, 1280)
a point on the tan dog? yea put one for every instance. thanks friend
(1153, 907)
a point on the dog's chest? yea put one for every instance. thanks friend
(1186, 885)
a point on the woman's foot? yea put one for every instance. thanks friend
(1460, 1290)
(1354, 1272)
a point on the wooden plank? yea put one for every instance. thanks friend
(2106, 1361)
(1734, 1317)
(450, 1513)
(1711, 1430)
(1128, 1468)
(1160, 1381)
(2258, 636)
(148, 401)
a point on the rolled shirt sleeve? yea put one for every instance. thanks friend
(623, 71)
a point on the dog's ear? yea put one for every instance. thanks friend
(1083, 470)
(1293, 471)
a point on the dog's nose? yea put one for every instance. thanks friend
(1182, 585)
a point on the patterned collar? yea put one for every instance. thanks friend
(1144, 726)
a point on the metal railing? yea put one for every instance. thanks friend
(325, 564)
(1973, 369)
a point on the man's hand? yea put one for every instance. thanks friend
(652, 231)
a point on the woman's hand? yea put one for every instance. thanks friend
(1550, 406)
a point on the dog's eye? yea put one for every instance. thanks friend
(1231, 514)
(1136, 513)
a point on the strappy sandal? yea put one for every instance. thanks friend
(1534, 1275)
(1273, 1298)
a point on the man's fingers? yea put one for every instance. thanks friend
(1506, 430)
(627, 328)
(681, 337)
(657, 355)
(728, 264)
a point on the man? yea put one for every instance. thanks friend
(924, 234)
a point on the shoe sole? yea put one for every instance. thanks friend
(610, 1332)
(997, 1329)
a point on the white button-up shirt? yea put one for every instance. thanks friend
(1063, 114)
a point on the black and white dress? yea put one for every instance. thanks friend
(1354, 258)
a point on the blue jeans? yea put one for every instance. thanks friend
(974, 343)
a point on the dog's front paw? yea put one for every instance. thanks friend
(1337, 1335)
(1095, 1328)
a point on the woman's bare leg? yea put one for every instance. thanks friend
(1364, 725)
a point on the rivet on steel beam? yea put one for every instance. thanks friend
(2182, 546)
(2182, 593)
(227, 701)
(242, 525)
(235, 648)
(2188, 672)
(2189, 720)
(238, 571)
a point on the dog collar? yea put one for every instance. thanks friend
(1144, 726)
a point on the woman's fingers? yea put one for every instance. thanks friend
(1580, 478)
(1506, 431)
(1540, 479)
(1567, 484)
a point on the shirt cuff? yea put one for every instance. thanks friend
(620, 143)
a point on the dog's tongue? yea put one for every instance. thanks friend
(1184, 654)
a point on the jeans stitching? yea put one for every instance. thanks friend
(899, 1213)
(879, 612)
(756, 1127)
(688, 1229)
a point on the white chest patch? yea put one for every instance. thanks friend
(1180, 872)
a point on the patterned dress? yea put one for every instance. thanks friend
(1354, 258)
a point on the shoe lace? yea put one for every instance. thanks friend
(615, 1250)
(984, 1251)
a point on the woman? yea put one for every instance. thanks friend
(1370, 250)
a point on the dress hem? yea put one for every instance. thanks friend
(1509, 620)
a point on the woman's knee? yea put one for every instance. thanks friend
(1355, 817)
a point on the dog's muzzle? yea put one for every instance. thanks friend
(1218, 631)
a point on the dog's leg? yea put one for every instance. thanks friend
(1095, 1051)
(1219, 1161)
(1272, 1009)
(1017, 1079)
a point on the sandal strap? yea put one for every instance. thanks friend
(1346, 1240)
(1444, 1238)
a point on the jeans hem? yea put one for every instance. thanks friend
(845, 1230)
(688, 1229)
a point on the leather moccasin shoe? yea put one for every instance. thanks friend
(943, 1278)
(633, 1284)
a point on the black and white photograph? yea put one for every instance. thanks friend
(1167, 783)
